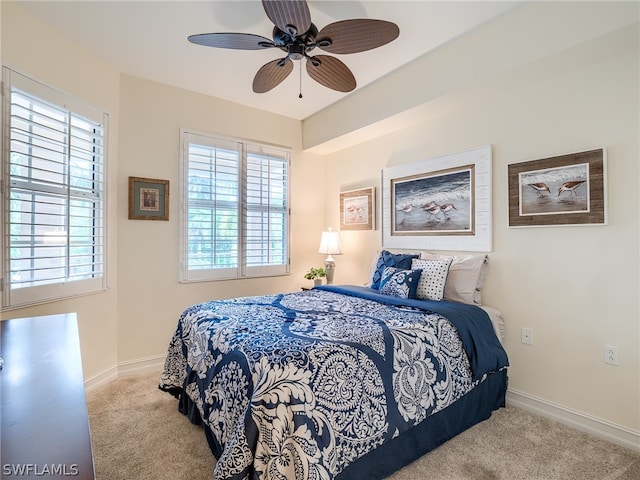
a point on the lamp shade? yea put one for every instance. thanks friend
(329, 243)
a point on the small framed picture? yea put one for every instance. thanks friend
(357, 209)
(148, 199)
(563, 190)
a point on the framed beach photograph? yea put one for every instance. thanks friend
(443, 203)
(562, 190)
(148, 199)
(357, 209)
(434, 203)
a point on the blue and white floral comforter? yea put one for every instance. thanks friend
(300, 385)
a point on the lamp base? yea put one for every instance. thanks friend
(329, 267)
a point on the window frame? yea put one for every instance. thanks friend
(67, 287)
(242, 270)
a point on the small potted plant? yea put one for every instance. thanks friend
(316, 274)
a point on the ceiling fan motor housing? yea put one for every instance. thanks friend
(296, 46)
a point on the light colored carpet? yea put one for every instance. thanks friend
(138, 434)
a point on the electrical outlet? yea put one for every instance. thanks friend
(527, 336)
(611, 355)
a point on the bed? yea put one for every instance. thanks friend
(337, 382)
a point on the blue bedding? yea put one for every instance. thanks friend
(478, 337)
(308, 385)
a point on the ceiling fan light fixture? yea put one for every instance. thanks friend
(297, 51)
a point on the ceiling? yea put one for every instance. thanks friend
(148, 39)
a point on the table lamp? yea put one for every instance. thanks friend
(329, 245)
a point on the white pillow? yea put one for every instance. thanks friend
(497, 319)
(432, 282)
(466, 278)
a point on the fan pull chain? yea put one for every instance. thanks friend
(300, 94)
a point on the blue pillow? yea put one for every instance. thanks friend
(400, 283)
(388, 259)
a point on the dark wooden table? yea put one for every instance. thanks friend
(43, 410)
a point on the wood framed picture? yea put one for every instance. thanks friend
(357, 209)
(566, 189)
(434, 203)
(148, 199)
(443, 203)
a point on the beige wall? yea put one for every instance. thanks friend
(47, 55)
(150, 296)
(134, 319)
(575, 287)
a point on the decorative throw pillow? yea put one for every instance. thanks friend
(466, 277)
(388, 259)
(433, 279)
(399, 283)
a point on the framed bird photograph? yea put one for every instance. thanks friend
(357, 209)
(442, 203)
(567, 189)
(434, 203)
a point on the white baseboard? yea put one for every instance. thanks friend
(597, 427)
(125, 368)
(149, 363)
(101, 379)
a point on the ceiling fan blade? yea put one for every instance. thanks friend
(272, 74)
(357, 35)
(292, 16)
(238, 41)
(331, 72)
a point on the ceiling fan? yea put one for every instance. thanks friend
(295, 34)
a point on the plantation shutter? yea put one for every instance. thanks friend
(54, 201)
(212, 208)
(235, 217)
(266, 212)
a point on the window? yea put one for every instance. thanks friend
(53, 194)
(235, 221)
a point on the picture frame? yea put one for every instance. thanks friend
(148, 199)
(442, 203)
(568, 189)
(358, 209)
(434, 203)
